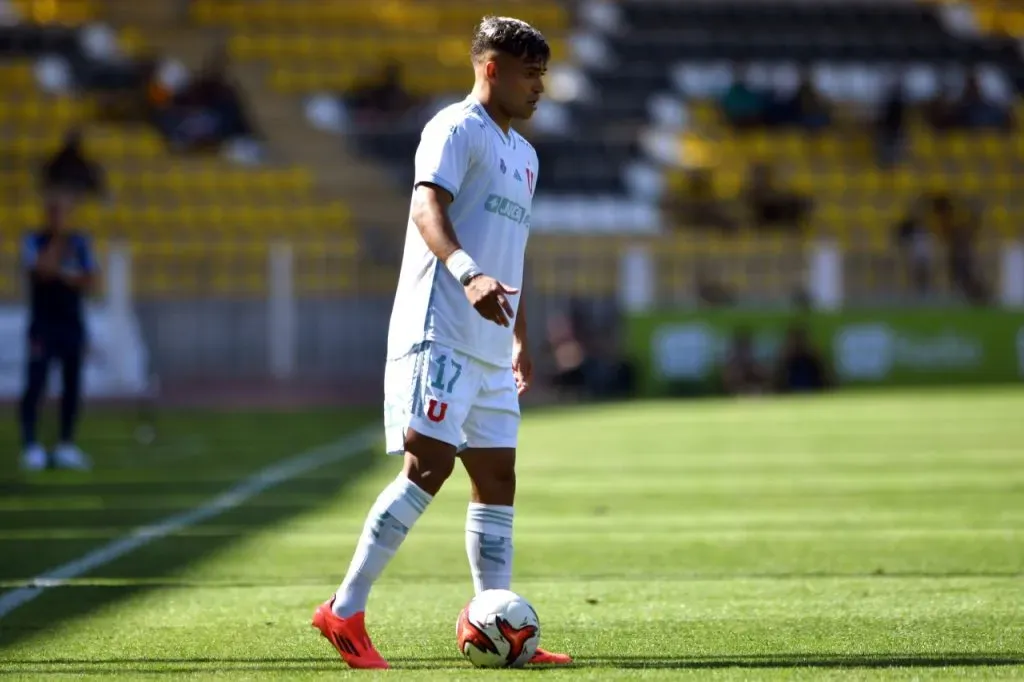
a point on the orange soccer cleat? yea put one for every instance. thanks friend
(547, 658)
(348, 635)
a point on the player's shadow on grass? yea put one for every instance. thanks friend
(64, 528)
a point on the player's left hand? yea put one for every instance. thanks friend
(522, 368)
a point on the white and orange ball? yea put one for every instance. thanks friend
(498, 629)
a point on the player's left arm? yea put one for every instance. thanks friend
(522, 362)
(84, 278)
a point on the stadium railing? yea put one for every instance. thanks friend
(291, 310)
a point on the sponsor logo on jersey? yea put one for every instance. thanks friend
(507, 208)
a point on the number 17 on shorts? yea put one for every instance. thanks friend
(447, 395)
(431, 391)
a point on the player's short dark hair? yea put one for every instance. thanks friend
(511, 36)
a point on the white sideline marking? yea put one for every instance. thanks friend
(294, 466)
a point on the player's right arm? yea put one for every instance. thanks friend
(443, 159)
(44, 262)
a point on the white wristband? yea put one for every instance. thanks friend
(461, 265)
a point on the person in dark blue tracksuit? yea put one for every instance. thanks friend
(61, 270)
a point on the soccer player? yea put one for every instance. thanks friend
(61, 270)
(457, 349)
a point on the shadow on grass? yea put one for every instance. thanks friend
(120, 501)
(308, 663)
(812, 660)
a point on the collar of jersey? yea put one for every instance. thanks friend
(487, 117)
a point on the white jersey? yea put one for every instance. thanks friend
(493, 177)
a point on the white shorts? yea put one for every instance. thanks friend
(447, 395)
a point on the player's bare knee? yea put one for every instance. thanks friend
(428, 462)
(494, 486)
(505, 477)
(428, 473)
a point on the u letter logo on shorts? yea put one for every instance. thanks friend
(436, 411)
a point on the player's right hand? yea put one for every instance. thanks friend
(490, 298)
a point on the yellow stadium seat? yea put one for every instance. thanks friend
(407, 15)
(15, 75)
(56, 11)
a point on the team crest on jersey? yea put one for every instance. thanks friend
(503, 167)
(529, 180)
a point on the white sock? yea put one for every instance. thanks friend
(392, 515)
(489, 545)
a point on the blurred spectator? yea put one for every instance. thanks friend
(165, 80)
(612, 374)
(971, 109)
(595, 369)
(742, 105)
(974, 110)
(207, 113)
(890, 127)
(742, 374)
(916, 243)
(711, 290)
(698, 206)
(69, 168)
(60, 268)
(800, 366)
(805, 108)
(958, 226)
(771, 206)
(569, 358)
(383, 96)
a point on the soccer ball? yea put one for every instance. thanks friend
(498, 629)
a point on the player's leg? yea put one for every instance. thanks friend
(67, 454)
(492, 433)
(427, 397)
(491, 513)
(428, 464)
(33, 454)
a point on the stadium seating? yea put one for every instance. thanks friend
(660, 48)
(852, 51)
(599, 173)
(169, 208)
(310, 46)
(57, 11)
(997, 17)
(313, 45)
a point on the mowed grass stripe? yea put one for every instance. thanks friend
(344, 533)
(623, 484)
(654, 579)
(627, 580)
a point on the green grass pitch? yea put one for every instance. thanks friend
(858, 536)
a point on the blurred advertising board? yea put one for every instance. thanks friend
(115, 364)
(683, 351)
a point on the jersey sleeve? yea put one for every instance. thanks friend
(444, 156)
(29, 251)
(86, 258)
